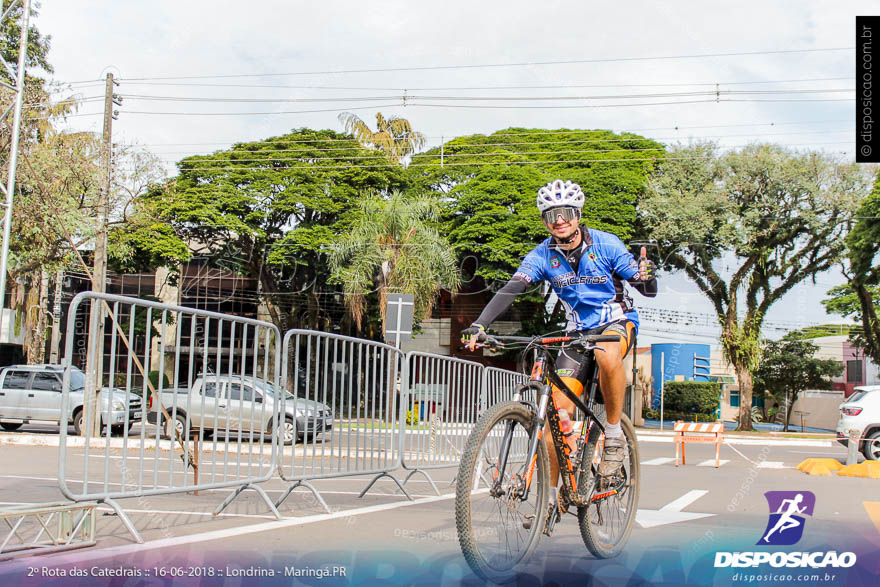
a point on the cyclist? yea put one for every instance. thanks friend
(587, 269)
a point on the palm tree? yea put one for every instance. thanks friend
(394, 136)
(391, 247)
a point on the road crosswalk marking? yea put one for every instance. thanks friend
(711, 463)
(659, 461)
(771, 465)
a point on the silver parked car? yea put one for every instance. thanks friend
(861, 411)
(234, 403)
(31, 394)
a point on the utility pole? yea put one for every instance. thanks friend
(56, 318)
(9, 189)
(95, 357)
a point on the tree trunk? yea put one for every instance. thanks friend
(745, 397)
(35, 321)
(788, 410)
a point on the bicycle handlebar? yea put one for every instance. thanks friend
(499, 341)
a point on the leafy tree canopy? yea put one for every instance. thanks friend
(490, 182)
(489, 185)
(860, 297)
(747, 226)
(10, 41)
(272, 208)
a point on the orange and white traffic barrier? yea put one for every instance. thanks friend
(698, 432)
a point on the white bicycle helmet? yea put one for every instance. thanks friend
(558, 193)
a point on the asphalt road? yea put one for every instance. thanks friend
(686, 515)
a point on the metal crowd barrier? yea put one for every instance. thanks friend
(500, 386)
(444, 401)
(344, 402)
(215, 376)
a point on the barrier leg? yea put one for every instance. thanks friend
(428, 477)
(677, 449)
(717, 453)
(308, 486)
(393, 478)
(236, 493)
(125, 520)
(683, 461)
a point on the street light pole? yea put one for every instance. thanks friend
(9, 189)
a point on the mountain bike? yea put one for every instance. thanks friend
(502, 495)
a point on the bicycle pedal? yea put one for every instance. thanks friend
(553, 516)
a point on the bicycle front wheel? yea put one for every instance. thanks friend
(497, 529)
(607, 521)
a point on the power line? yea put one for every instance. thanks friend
(484, 106)
(494, 65)
(453, 88)
(678, 102)
(406, 97)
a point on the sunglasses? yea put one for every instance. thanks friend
(567, 212)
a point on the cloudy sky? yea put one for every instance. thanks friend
(197, 76)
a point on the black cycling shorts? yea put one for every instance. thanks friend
(571, 363)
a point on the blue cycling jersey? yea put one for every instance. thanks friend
(593, 293)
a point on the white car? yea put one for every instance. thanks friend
(861, 411)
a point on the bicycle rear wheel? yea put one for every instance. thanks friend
(489, 515)
(607, 522)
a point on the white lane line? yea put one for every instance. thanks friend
(685, 500)
(659, 461)
(711, 463)
(127, 549)
(772, 465)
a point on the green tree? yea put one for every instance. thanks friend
(392, 246)
(489, 183)
(747, 226)
(788, 367)
(859, 298)
(10, 40)
(40, 216)
(393, 136)
(270, 210)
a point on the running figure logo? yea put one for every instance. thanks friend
(787, 510)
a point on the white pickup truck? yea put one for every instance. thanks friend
(31, 394)
(232, 403)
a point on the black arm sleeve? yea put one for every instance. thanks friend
(500, 302)
(646, 288)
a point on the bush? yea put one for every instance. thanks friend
(674, 416)
(154, 379)
(691, 397)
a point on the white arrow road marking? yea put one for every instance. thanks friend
(658, 461)
(671, 513)
(685, 500)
